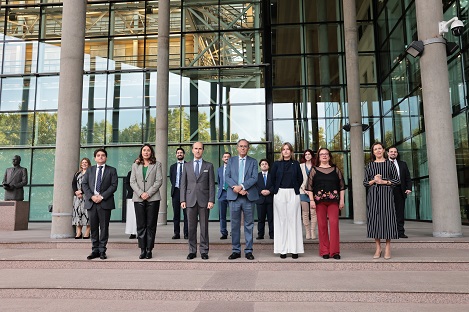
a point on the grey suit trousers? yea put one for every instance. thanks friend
(202, 213)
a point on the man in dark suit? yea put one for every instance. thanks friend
(400, 191)
(241, 177)
(14, 180)
(221, 195)
(175, 172)
(265, 202)
(99, 184)
(198, 197)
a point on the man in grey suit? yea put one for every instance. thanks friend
(197, 189)
(14, 180)
(99, 184)
(241, 177)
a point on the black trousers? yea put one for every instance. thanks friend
(177, 213)
(146, 214)
(99, 225)
(399, 203)
(264, 210)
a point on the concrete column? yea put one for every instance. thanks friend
(355, 115)
(69, 115)
(162, 80)
(438, 123)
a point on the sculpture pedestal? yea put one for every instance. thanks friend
(15, 215)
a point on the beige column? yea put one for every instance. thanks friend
(355, 116)
(438, 123)
(162, 80)
(69, 115)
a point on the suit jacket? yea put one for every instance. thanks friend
(250, 178)
(150, 184)
(220, 181)
(16, 178)
(277, 175)
(265, 186)
(404, 175)
(199, 190)
(108, 186)
(173, 171)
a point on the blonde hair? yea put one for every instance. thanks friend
(290, 147)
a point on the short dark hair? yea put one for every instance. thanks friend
(227, 153)
(180, 149)
(99, 150)
(264, 159)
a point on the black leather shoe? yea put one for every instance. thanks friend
(102, 256)
(132, 236)
(336, 257)
(224, 237)
(204, 256)
(325, 257)
(403, 236)
(191, 256)
(294, 256)
(271, 237)
(149, 255)
(283, 256)
(260, 237)
(176, 236)
(143, 254)
(234, 255)
(249, 256)
(186, 236)
(93, 255)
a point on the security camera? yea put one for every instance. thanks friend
(457, 28)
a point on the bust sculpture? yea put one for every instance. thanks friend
(14, 180)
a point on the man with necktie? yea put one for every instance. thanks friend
(265, 202)
(99, 184)
(221, 195)
(241, 177)
(175, 173)
(197, 197)
(400, 191)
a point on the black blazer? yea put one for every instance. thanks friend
(173, 171)
(277, 175)
(267, 186)
(404, 175)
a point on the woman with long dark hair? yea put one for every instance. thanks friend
(307, 163)
(146, 179)
(80, 214)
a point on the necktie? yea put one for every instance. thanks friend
(179, 174)
(99, 179)
(225, 185)
(241, 171)
(265, 179)
(197, 168)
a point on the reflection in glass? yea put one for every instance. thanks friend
(18, 94)
(47, 92)
(17, 129)
(126, 126)
(93, 127)
(45, 126)
(20, 57)
(49, 57)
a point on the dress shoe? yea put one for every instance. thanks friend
(191, 256)
(143, 254)
(176, 236)
(93, 255)
(132, 236)
(234, 255)
(294, 256)
(403, 236)
(249, 256)
(102, 256)
(149, 255)
(271, 237)
(78, 237)
(186, 236)
(377, 255)
(336, 257)
(283, 256)
(86, 237)
(260, 237)
(204, 256)
(224, 237)
(325, 256)
(387, 257)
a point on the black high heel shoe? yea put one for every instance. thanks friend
(79, 236)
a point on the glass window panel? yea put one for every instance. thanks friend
(126, 126)
(366, 36)
(130, 86)
(20, 58)
(420, 161)
(94, 91)
(45, 128)
(321, 11)
(149, 127)
(320, 38)
(96, 54)
(370, 103)
(461, 139)
(456, 85)
(94, 127)
(17, 129)
(41, 198)
(388, 131)
(396, 43)
(285, 11)
(47, 92)
(287, 71)
(386, 95)
(2, 26)
(423, 199)
(23, 23)
(128, 18)
(402, 121)
(151, 51)
(97, 20)
(284, 132)
(52, 21)
(126, 53)
(367, 68)
(324, 69)
(18, 94)
(43, 166)
(49, 57)
(199, 87)
(286, 40)
(394, 10)
(239, 14)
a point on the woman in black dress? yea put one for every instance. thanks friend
(380, 178)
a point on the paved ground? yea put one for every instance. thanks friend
(43, 274)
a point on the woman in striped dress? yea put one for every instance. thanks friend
(380, 178)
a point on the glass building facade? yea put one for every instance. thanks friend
(267, 71)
